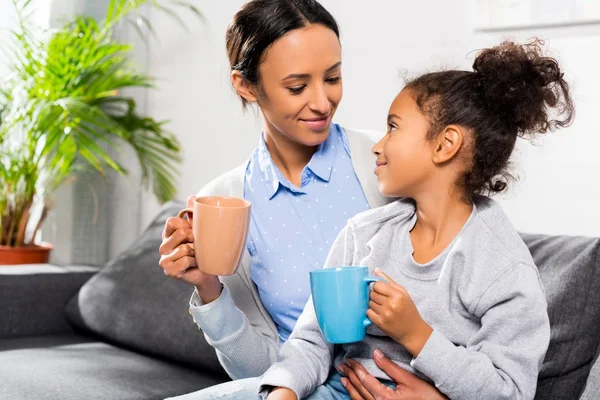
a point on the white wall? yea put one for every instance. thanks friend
(61, 10)
(7, 22)
(558, 192)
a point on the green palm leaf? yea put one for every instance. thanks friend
(62, 109)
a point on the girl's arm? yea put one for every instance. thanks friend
(305, 360)
(503, 359)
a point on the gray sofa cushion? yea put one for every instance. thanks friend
(72, 367)
(132, 303)
(592, 387)
(570, 271)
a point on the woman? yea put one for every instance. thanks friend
(306, 178)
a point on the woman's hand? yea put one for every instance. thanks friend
(393, 311)
(177, 258)
(363, 386)
(282, 394)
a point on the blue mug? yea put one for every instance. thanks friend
(341, 299)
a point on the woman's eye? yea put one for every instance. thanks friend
(391, 127)
(296, 89)
(334, 79)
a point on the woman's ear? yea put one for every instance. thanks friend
(447, 144)
(242, 86)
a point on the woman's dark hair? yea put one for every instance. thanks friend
(259, 23)
(510, 94)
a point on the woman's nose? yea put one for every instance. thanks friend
(319, 101)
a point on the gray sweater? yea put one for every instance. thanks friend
(482, 296)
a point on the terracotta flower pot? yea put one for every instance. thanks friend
(35, 254)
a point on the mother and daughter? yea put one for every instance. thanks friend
(462, 313)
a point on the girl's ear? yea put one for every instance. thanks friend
(242, 86)
(447, 144)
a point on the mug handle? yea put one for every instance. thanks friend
(368, 280)
(186, 212)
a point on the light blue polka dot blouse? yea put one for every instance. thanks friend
(292, 228)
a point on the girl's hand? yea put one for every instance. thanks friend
(392, 310)
(282, 394)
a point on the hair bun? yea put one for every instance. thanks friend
(520, 84)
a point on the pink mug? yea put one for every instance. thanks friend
(220, 225)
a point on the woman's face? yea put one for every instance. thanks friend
(300, 84)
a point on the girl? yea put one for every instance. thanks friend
(463, 306)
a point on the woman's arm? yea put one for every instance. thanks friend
(245, 349)
(231, 316)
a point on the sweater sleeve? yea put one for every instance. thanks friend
(230, 332)
(234, 322)
(306, 358)
(503, 359)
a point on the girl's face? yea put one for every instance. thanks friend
(404, 155)
(300, 84)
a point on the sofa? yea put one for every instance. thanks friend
(123, 332)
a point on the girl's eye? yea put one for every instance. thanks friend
(391, 127)
(334, 79)
(297, 89)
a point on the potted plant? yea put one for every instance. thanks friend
(62, 109)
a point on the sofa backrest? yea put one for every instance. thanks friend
(570, 272)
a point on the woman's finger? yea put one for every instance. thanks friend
(176, 239)
(355, 381)
(178, 268)
(397, 373)
(352, 392)
(173, 224)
